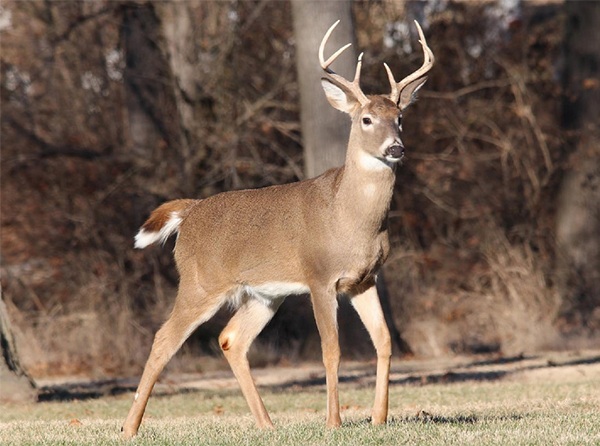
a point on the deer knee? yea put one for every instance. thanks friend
(384, 344)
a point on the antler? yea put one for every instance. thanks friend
(353, 86)
(419, 75)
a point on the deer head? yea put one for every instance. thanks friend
(377, 119)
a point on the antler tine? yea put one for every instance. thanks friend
(325, 63)
(395, 94)
(353, 86)
(428, 60)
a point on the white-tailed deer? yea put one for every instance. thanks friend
(326, 236)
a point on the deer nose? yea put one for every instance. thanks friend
(396, 151)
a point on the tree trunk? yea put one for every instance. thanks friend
(581, 105)
(186, 27)
(144, 74)
(324, 130)
(15, 383)
(578, 214)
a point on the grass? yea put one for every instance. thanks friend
(540, 408)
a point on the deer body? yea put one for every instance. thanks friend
(296, 233)
(324, 236)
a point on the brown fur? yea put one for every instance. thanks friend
(161, 215)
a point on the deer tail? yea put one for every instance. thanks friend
(164, 221)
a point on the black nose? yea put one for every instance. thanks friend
(395, 151)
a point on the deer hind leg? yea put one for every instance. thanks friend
(368, 307)
(235, 341)
(325, 310)
(191, 309)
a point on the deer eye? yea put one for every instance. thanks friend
(367, 121)
(400, 122)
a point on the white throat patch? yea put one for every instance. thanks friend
(369, 162)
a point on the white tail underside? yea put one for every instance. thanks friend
(145, 238)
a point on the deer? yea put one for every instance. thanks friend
(325, 237)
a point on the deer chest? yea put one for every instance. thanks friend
(361, 269)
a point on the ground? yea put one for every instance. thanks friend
(544, 399)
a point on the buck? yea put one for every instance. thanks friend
(326, 236)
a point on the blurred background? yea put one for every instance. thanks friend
(109, 108)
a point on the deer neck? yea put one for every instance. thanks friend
(365, 190)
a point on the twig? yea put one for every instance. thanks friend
(520, 92)
(454, 95)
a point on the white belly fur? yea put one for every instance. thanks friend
(269, 293)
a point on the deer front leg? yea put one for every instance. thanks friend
(368, 307)
(235, 340)
(325, 310)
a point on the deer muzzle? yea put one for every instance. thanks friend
(395, 152)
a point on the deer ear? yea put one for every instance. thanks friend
(339, 97)
(408, 95)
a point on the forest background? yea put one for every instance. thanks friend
(110, 108)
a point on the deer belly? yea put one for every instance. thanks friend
(269, 293)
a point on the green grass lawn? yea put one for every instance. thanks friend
(554, 407)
